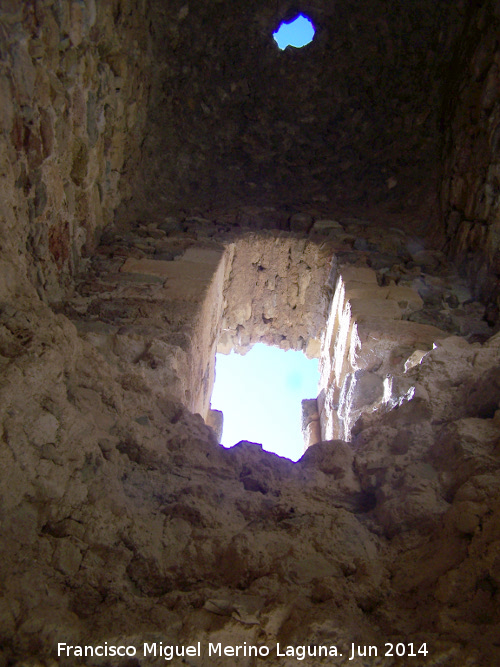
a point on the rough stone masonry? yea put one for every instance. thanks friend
(173, 184)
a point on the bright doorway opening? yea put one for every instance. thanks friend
(297, 33)
(260, 395)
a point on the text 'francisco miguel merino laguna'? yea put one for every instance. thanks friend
(169, 652)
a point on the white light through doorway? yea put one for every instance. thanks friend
(260, 395)
(298, 33)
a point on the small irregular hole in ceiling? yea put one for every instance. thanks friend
(298, 32)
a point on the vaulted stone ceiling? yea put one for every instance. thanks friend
(349, 122)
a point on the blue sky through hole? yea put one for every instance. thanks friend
(260, 395)
(298, 32)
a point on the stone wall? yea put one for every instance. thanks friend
(391, 302)
(154, 303)
(470, 181)
(364, 336)
(73, 90)
(277, 293)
